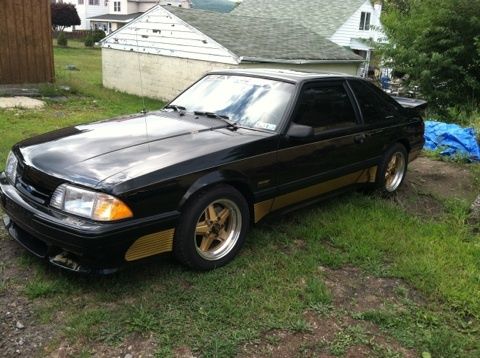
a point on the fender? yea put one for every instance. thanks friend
(216, 177)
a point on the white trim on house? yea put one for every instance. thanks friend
(359, 45)
(296, 62)
(159, 32)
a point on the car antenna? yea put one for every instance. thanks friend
(144, 109)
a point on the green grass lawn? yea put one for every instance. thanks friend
(272, 283)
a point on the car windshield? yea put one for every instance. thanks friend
(247, 101)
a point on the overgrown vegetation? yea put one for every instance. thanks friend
(438, 46)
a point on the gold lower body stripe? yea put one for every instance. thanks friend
(150, 245)
(265, 207)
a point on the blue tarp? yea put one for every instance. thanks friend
(451, 140)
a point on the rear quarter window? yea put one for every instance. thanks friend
(376, 106)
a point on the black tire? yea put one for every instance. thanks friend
(386, 187)
(187, 245)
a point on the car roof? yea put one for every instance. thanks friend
(284, 75)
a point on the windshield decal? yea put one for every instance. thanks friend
(268, 126)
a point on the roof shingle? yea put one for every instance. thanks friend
(324, 17)
(255, 38)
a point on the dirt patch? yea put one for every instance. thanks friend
(429, 180)
(183, 352)
(355, 291)
(446, 180)
(284, 344)
(336, 333)
(133, 347)
(20, 335)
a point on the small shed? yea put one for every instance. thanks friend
(26, 52)
(166, 49)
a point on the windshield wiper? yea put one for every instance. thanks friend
(225, 119)
(175, 108)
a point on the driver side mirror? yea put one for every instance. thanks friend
(299, 132)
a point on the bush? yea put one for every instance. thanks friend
(89, 41)
(98, 35)
(93, 37)
(62, 40)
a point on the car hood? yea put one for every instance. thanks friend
(92, 153)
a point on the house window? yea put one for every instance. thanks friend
(93, 2)
(365, 21)
(116, 6)
(80, 2)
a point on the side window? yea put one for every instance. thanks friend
(376, 107)
(325, 106)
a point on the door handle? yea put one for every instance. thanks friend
(360, 138)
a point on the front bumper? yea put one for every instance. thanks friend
(63, 239)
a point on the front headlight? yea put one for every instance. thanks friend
(89, 204)
(11, 167)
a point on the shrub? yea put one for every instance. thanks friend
(89, 41)
(98, 35)
(93, 37)
(62, 40)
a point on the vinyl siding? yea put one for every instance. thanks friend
(350, 29)
(159, 32)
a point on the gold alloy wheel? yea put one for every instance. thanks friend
(395, 172)
(218, 229)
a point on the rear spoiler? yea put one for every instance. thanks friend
(418, 104)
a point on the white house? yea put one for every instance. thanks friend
(121, 12)
(167, 48)
(87, 9)
(109, 15)
(349, 23)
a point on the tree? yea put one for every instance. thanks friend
(438, 45)
(64, 15)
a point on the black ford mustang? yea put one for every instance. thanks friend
(193, 177)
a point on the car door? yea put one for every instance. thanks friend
(333, 155)
(382, 118)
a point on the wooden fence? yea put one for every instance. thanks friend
(26, 50)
